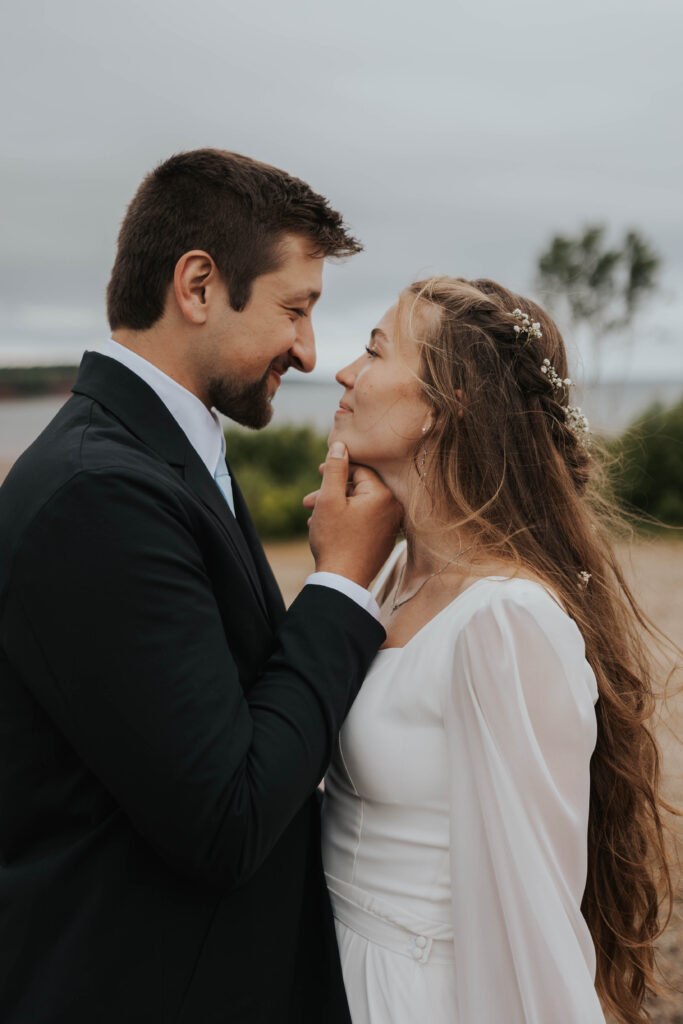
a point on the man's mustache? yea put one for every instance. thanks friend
(280, 366)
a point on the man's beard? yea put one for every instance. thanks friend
(246, 403)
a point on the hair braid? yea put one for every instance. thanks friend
(553, 403)
(527, 355)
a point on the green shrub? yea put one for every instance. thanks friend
(648, 475)
(275, 468)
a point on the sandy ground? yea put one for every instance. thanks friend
(655, 570)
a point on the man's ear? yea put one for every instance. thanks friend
(194, 275)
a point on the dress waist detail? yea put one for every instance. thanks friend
(390, 926)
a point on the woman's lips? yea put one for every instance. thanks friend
(343, 409)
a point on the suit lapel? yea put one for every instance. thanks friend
(204, 486)
(142, 412)
(271, 591)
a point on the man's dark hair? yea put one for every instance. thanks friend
(234, 208)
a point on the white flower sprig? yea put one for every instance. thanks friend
(553, 376)
(584, 580)
(577, 421)
(525, 325)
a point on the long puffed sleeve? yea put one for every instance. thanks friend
(521, 728)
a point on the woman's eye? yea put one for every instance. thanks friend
(371, 352)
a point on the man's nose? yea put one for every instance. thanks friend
(302, 352)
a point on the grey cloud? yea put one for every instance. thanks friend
(455, 137)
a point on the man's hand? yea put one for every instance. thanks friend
(355, 519)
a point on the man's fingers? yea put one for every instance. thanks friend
(363, 480)
(355, 519)
(358, 473)
(334, 460)
(336, 472)
(356, 479)
(310, 499)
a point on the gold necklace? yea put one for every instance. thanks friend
(399, 604)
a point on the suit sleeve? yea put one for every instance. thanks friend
(521, 729)
(112, 621)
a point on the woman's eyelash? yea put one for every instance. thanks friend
(371, 351)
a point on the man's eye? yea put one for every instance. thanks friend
(371, 352)
(299, 312)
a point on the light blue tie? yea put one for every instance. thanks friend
(222, 478)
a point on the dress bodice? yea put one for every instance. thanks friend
(458, 795)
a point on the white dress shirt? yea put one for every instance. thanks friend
(204, 432)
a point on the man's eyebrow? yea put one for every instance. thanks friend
(311, 296)
(377, 334)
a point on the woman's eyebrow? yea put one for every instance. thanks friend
(377, 334)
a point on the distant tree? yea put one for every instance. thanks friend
(600, 289)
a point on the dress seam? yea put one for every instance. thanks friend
(357, 850)
(362, 805)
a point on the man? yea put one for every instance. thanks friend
(164, 722)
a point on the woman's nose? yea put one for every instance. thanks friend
(346, 376)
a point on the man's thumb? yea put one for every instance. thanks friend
(336, 472)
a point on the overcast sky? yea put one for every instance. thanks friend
(455, 137)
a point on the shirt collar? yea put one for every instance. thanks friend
(201, 427)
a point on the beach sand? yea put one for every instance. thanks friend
(655, 569)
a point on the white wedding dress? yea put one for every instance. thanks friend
(455, 819)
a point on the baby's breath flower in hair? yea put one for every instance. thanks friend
(576, 420)
(525, 326)
(584, 580)
(553, 376)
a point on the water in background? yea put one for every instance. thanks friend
(610, 407)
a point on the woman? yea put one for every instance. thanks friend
(491, 825)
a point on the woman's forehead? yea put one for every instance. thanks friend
(415, 318)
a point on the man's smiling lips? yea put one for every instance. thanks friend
(278, 372)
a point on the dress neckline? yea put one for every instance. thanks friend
(458, 597)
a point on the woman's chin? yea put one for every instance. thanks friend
(336, 435)
(358, 453)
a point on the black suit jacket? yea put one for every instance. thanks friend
(163, 726)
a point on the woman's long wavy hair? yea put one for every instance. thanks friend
(504, 464)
